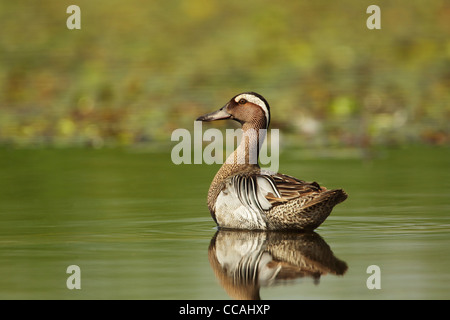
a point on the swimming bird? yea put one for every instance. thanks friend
(244, 196)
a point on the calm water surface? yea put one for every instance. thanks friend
(138, 228)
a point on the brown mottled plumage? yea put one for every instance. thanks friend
(242, 196)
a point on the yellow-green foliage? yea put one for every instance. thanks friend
(139, 69)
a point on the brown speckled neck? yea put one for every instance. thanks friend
(243, 159)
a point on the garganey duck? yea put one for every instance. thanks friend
(244, 196)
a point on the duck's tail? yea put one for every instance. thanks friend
(319, 208)
(336, 196)
(327, 199)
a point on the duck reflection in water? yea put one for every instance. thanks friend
(245, 261)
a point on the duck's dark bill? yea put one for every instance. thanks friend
(216, 115)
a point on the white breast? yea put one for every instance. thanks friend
(231, 213)
(242, 203)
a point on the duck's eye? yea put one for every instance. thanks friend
(242, 101)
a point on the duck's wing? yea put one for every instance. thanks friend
(260, 192)
(252, 191)
(290, 188)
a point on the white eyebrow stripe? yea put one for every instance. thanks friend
(255, 100)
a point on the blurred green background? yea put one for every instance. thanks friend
(138, 69)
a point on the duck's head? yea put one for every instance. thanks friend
(247, 107)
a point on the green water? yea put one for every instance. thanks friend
(138, 226)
